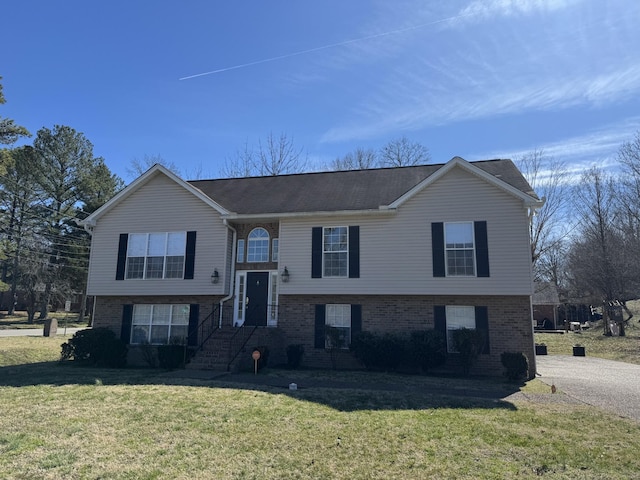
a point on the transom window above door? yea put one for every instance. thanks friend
(258, 245)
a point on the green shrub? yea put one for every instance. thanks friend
(427, 349)
(171, 357)
(95, 346)
(379, 351)
(468, 343)
(516, 365)
(294, 355)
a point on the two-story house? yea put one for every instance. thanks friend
(387, 250)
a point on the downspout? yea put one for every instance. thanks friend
(89, 229)
(533, 365)
(233, 268)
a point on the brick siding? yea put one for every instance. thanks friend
(510, 326)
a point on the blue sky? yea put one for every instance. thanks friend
(478, 79)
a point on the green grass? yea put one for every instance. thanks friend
(19, 320)
(625, 349)
(63, 421)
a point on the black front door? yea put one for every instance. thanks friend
(257, 298)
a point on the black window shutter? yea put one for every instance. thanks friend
(437, 246)
(482, 249)
(319, 335)
(190, 256)
(194, 317)
(440, 319)
(122, 256)
(482, 324)
(354, 252)
(316, 254)
(356, 320)
(127, 318)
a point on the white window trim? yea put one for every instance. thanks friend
(453, 312)
(344, 307)
(262, 239)
(241, 251)
(147, 256)
(151, 323)
(447, 250)
(324, 253)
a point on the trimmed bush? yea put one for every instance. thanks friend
(379, 351)
(294, 355)
(97, 347)
(516, 365)
(427, 349)
(468, 343)
(171, 357)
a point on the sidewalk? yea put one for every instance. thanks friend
(35, 332)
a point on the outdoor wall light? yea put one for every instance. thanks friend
(285, 275)
(215, 276)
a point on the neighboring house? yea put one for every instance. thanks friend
(385, 250)
(546, 301)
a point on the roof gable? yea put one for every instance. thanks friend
(145, 178)
(528, 197)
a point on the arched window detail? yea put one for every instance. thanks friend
(258, 245)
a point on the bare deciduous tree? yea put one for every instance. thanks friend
(140, 165)
(273, 156)
(549, 226)
(403, 152)
(599, 265)
(359, 159)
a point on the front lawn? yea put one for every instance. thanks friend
(63, 421)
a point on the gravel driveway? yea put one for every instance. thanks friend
(613, 386)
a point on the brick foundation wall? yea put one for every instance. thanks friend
(510, 326)
(108, 310)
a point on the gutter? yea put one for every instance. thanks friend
(233, 268)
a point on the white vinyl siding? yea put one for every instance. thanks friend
(148, 210)
(396, 248)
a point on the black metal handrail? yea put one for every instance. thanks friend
(200, 328)
(237, 342)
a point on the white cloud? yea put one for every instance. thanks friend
(596, 148)
(483, 9)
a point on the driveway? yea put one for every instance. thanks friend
(613, 386)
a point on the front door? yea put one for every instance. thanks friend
(257, 297)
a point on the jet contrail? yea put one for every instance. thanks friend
(324, 47)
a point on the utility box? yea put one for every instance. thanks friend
(50, 327)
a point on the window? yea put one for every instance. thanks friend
(335, 251)
(258, 246)
(156, 255)
(458, 317)
(459, 249)
(160, 324)
(338, 316)
(240, 254)
(275, 245)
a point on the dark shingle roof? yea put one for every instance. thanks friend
(334, 191)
